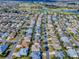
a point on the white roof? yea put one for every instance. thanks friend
(64, 39)
(72, 53)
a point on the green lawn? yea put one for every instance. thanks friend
(21, 57)
(51, 49)
(2, 57)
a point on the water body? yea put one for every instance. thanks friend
(72, 11)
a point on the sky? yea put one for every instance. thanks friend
(41, 0)
(49, 0)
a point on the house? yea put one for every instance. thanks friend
(24, 51)
(36, 47)
(24, 47)
(37, 36)
(3, 48)
(56, 46)
(1, 39)
(36, 55)
(17, 54)
(25, 43)
(11, 36)
(29, 31)
(64, 39)
(72, 53)
(59, 54)
(61, 34)
(4, 35)
(74, 30)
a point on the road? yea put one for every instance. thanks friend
(46, 42)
